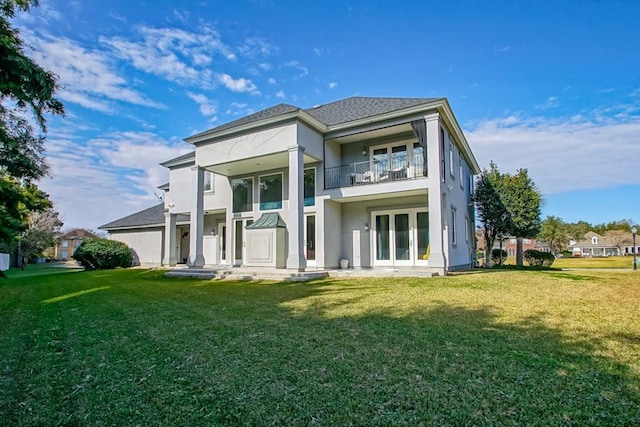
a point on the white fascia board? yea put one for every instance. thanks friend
(447, 115)
(293, 115)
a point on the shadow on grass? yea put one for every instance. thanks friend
(158, 351)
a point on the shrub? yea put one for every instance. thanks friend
(98, 254)
(495, 256)
(538, 258)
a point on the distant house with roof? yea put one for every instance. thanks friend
(593, 244)
(68, 242)
(375, 182)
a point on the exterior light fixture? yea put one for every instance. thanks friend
(366, 226)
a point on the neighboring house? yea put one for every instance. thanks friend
(593, 244)
(510, 245)
(67, 243)
(380, 182)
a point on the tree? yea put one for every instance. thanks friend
(18, 201)
(619, 238)
(554, 232)
(491, 210)
(26, 97)
(577, 230)
(40, 235)
(523, 202)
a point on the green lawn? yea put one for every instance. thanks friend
(132, 347)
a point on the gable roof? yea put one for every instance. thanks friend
(360, 107)
(343, 111)
(76, 234)
(153, 216)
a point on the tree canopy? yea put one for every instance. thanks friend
(507, 205)
(27, 96)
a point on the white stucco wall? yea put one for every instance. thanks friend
(330, 230)
(147, 244)
(269, 140)
(179, 194)
(311, 140)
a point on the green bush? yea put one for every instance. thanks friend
(495, 256)
(538, 258)
(99, 254)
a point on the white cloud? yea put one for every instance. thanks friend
(271, 81)
(172, 53)
(265, 66)
(107, 178)
(562, 154)
(302, 71)
(240, 85)
(86, 77)
(551, 102)
(280, 94)
(333, 85)
(207, 107)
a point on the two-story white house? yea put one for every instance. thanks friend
(380, 182)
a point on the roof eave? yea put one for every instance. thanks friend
(292, 115)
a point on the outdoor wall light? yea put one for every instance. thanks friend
(366, 226)
(364, 151)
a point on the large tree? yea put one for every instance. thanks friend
(491, 210)
(554, 232)
(27, 96)
(523, 202)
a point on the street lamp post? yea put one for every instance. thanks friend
(634, 231)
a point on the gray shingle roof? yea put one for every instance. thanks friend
(276, 110)
(343, 111)
(146, 217)
(359, 107)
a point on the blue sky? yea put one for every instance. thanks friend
(550, 86)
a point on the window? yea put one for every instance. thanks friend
(451, 158)
(65, 243)
(527, 241)
(466, 229)
(242, 194)
(309, 187)
(461, 171)
(271, 192)
(594, 240)
(443, 163)
(512, 241)
(208, 181)
(453, 226)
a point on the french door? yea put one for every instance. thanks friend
(240, 239)
(310, 239)
(400, 237)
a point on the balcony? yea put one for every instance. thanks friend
(373, 171)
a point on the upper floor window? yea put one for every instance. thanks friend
(271, 191)
(208, 181)
(451, 170)
(443, 163)
(242, 194)
(309, 187)
(453, 227)
(461, 170)
(527, 241)
(65, 243)
(594, 240)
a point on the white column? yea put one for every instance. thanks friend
(230, 234)
(196, 231)
(438, 251)
(169, 239)
(295, 258)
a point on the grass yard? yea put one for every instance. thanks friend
(131, 347)
(595, 262)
